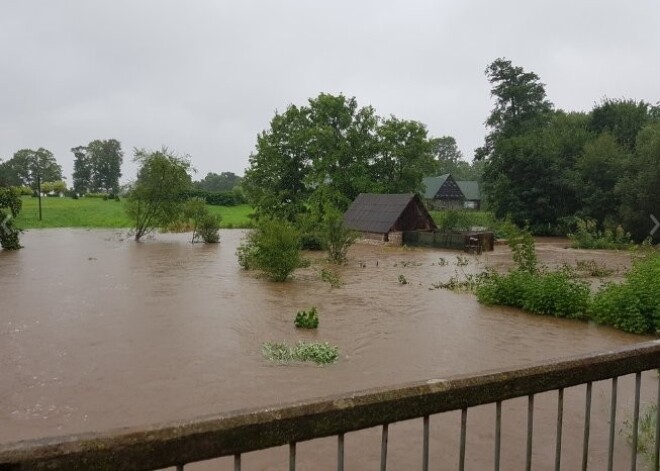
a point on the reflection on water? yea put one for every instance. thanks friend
(98, 332)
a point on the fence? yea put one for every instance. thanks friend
(236, 433)
(450, 240)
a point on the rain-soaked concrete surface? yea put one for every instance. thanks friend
(100, 332)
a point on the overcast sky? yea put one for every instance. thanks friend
(203, 77)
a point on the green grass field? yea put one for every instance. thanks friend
(95, 212)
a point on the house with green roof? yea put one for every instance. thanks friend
(443, 192)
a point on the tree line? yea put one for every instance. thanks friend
(547, 168)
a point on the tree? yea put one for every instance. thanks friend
(97, 167)
(205, 225)
(274, 248)
(10, 206)
(599, 168)
(449, 159)
(82, 170)
(155, 199)
(638, 190)
(336, 236)
(333, 143)
(520, 103)
(226, 181)
(28, 165)
(623, 119)
(55, 187)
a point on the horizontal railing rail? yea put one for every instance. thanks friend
(234, 433)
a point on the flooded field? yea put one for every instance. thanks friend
(99, 332)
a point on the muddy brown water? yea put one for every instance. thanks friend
(99, 332)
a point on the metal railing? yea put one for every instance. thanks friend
(239, 432)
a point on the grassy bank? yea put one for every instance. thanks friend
(97, 213)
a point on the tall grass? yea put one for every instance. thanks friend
(105, 214)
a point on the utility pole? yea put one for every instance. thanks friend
(39, 193)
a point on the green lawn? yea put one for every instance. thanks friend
(95, 212)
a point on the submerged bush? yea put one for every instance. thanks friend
(319, 353)
(634, 305)
(588, 236)
(274, 248)
(307, 319)
(554, 293)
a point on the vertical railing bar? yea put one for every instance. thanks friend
(560, 425)
(179, 467)
(461, 460)
(292, 456)
(237, 462)
(340, 452)
(383, 448)
(638, 385)
(656, 454)
(498, 433)
(610, 451)
(425, 452)
(530, 431)
(587, 423)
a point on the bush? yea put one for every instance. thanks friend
(634, 305)
(319, 353)
(274, 248)
(10, 206)
(587, 236)
(216, 198)
(336, 236)
(208, 229)
(553, 293)
(307, 319)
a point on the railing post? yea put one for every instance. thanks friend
(498, 433)
(530, 431)
(425, 448)
(638, 387)
(560, 424)
(610, 452)
(383, 448)
(587, 423)
(461, 459)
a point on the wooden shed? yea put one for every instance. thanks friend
(385, 217)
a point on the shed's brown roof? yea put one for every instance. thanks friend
(378, 213)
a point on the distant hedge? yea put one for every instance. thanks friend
(217, 198)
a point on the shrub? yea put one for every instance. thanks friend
(634, 305)
(208, 229)
(274, 248)
(10, 206)
(331, 277)
(588, 236)
(336, 236)
(203, 224)
(554, 293)
(307, 319)
(319, 353)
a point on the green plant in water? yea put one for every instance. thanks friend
(307, 319)
(317, 352)
(403, 280)
(588, 236)
(10, 206)
(331, 277)
(462, 261)
(646, 428)
(593, 268)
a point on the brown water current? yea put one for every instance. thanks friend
(99, 332)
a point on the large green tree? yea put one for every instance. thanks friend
(225, 181)
(332, 143)
(27, 166)
(639, 190)
(155, 199)
(97, 166)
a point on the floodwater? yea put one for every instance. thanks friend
(99, 332)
